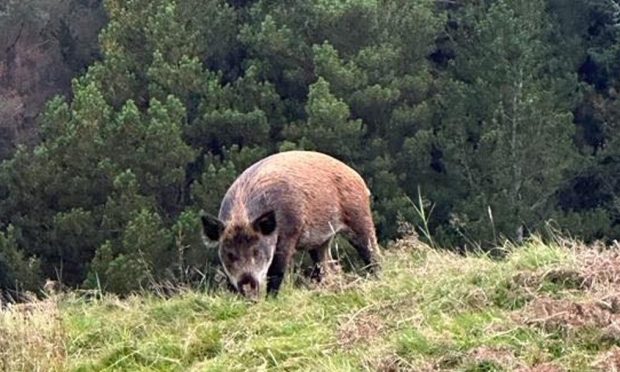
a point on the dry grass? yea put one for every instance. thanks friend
(609, 360)
(500, 356)
(363, 327)
(32, 337)
(569, 315)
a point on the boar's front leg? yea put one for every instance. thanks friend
(281, 260)
(230, 286)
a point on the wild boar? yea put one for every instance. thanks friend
(295, 200)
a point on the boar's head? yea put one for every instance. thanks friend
(245, 249)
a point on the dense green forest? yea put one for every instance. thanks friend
(501, 114)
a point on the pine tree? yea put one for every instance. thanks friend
(507, 125)
(329, 128)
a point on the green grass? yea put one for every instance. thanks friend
(427, 310)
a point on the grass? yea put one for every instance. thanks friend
(545, 307)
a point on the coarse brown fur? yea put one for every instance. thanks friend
(286, 202)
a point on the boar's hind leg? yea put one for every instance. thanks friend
(323, 261)
(361, 234)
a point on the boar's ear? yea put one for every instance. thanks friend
(211, 226)
(266, 223)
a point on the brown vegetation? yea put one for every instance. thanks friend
(32, 337)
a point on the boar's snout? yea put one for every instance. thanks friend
(248, 286)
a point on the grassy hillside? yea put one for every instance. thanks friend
(543, 308)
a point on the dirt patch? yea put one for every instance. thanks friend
(597, 273)
(610, 302)
(543, 367)
(566, 315)
(392, 363)
(502, 357)
(608, 361)
(362, 327)
(600, 268)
